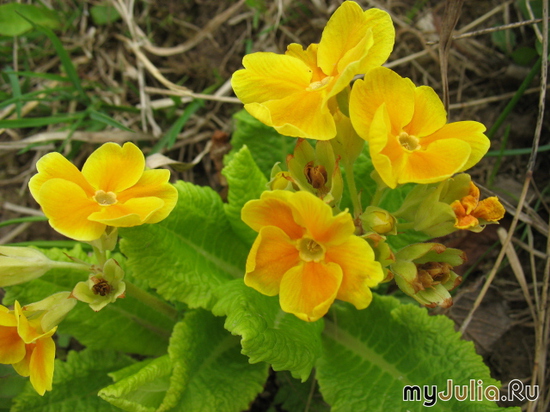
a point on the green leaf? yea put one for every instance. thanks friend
(189, 254)
(104, 14)
(293, 395)
(103, 118)
(75, 384)
(140, 387)
(370, 355)
(126, 325)
(204, 371)
(246, 182)
(266, 145)
(267, 333)
(12, 24)
(40, 121)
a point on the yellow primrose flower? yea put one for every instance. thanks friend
(306, 255)
(113, 189)
(472, 214)
(406, 127)
(291, 92)
(28, 348)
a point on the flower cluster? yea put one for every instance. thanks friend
(113, 190)
(309, 251)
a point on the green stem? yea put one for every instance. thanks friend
(151, 301)
(71, 265)
(350, 180)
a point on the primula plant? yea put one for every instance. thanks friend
(188, 303)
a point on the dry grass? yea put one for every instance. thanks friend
(160, 56)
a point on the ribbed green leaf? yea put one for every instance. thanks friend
(267, 333)
(140, 387)
(210, 374)
(370, 355)
(246, 182)
(204, 371)
(190, 253)
(75, 384)
(126, 325)
(266, 145)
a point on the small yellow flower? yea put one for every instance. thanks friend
(306, 255)
(28, 348)
(291, 92)
(113, 189)
(472, 214)
(406, 127)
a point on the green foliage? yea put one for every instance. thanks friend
(14, 18)
(265, 144)
(246, 182)
(76, 383)
(370, 355)
(128, 326)
(269, 334)
(198, 374)
(192, 252)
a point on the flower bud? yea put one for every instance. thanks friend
(23, 264)
(378, 220)
(424, 272)
(51, 310)
(103, 287)
(280, 179)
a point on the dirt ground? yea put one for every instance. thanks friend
(157, 56)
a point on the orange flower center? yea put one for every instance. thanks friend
(408, 141)
(320, 83)
(310, 250)
(105, 198)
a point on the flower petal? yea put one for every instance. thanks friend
(429, 113)
(112, 168)
(386, 153)
(68, 207)
(309, 57)
(308, 290)
(344, 39)
(381, 85)
(272, 209)
(42, 365)
(469, 132)
(490, 209)
(316, 216)
(310, 116)
(12, 349)
(54, 165)
(360, 271)
(440, 160)
(153, 183)
(383, 34)
(270, 76)
(271, 256)
(132, 213)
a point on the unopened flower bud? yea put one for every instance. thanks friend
(23, 264)
(51, 310)
(378, 220)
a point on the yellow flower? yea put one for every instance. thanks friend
(406, 127)
(472, 214)
(291, 92)
(113, 189)
(28, 348)
(306, 255)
